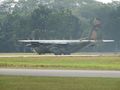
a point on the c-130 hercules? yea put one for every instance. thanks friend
(65, 47)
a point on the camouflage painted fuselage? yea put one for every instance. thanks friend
(60, 49)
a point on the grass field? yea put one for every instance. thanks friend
(55, 62)
(49, 83)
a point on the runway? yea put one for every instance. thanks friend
(60, 73)
(10, 55)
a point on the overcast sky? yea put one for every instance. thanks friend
(3, 0)
(107, 1)
(104, 1)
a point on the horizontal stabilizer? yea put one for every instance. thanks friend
(108, 40)
(63, 41)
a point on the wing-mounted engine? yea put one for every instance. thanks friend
(33, 44)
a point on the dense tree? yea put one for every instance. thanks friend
(55, 19)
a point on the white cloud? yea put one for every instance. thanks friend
(107, 1)
(14, 0)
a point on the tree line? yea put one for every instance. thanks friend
(55, 19)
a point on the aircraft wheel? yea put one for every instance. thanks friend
(66, 53)
(57, 53)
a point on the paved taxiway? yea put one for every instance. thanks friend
(81, 55)
(84, 54)
(60, 73)
(10, 56)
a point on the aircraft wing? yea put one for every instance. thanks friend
(63, 41)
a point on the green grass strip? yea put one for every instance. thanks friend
(98, 63)
(54, 83)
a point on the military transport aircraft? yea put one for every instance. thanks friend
(59, 47)
(66, 47)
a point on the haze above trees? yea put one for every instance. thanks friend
(55, 19)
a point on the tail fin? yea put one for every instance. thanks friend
(95, 33)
